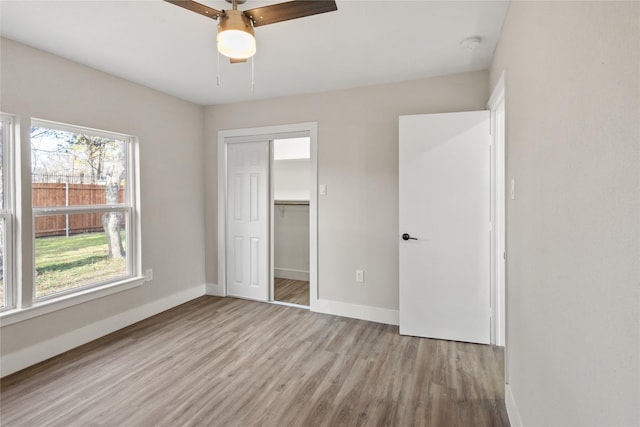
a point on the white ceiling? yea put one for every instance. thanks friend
(171, 49)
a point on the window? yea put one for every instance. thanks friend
(7, 290)
(83, 208)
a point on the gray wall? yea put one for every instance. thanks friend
(573, 244)
(358, 161)
(170, 131)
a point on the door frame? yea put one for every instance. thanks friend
(496, 106)
(269, 133)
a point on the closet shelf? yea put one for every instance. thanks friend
(291, 202)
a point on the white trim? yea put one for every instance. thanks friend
(356, 311)
(288, 273)
(79, 129)
(46, 306)
(496, 105)
(8, 211)
(309, 129)
(222, 215)
(272, 228)
(213, 289)
(512, 409)
(71, 210)
(25, 251)
(498, 92)
(44, 350)
(313, 215)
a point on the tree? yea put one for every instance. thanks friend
(101, 159)
(111, 221)
(92, 150)
(47, 145)
(105, 159)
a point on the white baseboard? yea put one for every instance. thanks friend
(24, 358)
(512, 409)
(214, 289)
(355, 311)
(288, 273)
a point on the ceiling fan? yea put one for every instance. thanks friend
(236, 39)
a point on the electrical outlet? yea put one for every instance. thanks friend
(148, 273)
(360, 276)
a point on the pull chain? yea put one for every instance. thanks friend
(218, 69)
(253, 74)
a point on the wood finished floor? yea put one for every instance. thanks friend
(293, 291)
(230, 362)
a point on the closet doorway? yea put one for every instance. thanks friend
(243, 253)
(290, 232)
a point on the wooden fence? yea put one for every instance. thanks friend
(62, 194)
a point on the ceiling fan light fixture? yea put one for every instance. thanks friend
(235, 36)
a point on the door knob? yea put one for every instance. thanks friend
(406, 236)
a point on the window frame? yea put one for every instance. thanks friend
(25, 305)
(129, 207)
(7, 211)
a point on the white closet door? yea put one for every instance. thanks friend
(247, 220)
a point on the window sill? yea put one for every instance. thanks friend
(16, 315)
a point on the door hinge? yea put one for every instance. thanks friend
(490, 226)
(491, 312)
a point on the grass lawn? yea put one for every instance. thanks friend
(70, 262)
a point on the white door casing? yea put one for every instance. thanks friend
(235, 136)
(444, 201)
(496, 105)
(247, 220)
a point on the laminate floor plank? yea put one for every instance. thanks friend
(230, 362)
(292, 291)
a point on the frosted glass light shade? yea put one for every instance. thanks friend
(236, 44)
(235, 35)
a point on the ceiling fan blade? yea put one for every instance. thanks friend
(289, 10)
(237, 61)
(196, 7)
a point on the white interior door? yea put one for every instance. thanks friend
(247, 221)
(444, 198)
